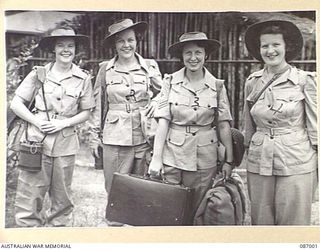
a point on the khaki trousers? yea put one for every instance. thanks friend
(55, 178)
(200, 180)
(125, 160)
(281, 200)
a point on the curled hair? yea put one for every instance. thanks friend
(277, 29)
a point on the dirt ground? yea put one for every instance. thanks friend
(89, 196)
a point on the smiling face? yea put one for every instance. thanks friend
(126, 44)
(273, 49)
(193, 57)
(64, 50)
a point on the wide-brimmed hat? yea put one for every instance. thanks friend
(292, 35)
(47, 42)
(124, 24)
(196, 36)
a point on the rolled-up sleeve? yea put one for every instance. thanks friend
(27, 87)
(163, 109)
(87, 99)
(224, 106)
(310, 93)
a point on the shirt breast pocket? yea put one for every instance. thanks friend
(114, 80)
(207, 102)
(72, 97)
(139, 79)
(288, 103)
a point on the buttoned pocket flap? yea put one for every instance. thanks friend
(205, 139)
(176, 137)
(112, 118)
(74, 92)
(176, 99)
(294, 138)
(257, 139)
(69, 131)
(207, 102)
(114, 80)
(140, 79)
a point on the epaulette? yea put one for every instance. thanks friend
(255, 74)
(104, 62)
(86, 71)
(151, 62)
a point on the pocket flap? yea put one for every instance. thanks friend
(294, 138)
(139, 79)
(176, 137)
(74, 92)
(207, 138)
(257, 139)
(114, 80)
(176, 99)
(69, 131)
(112, 118)
(208, 102)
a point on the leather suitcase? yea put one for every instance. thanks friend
(141, 201)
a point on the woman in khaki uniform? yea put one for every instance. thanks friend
(126, 85)
(69, 98)
(185, 148)
(280, 128)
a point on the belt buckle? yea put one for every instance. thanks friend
(128, 109)
(271, 133)
(188, 129)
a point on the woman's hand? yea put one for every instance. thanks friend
(226, 170)
(155, 167)
(94, 146)
(53, 126)
(151, 108)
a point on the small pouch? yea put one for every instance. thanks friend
(30, 156)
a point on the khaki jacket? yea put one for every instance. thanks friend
(124, 92)
(65, 99)
(191, 141)
(286, 124)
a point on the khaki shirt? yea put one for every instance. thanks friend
(286, 120)
(191, 141)
(64, 99)
(125, 91)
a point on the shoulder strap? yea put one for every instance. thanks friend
(103, 92)
(219, 85)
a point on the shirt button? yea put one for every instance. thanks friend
(195, 109)
(271, 137)
(194, 123)
(127, 85)
(193, 134)
(270, 122)
(269, 106)
(209, 105)
(58, 98)
(176, 103)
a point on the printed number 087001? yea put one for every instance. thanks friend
(308, 245)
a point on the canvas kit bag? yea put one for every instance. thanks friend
(225, 203)
(29, 152)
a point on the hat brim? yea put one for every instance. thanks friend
(252, 38)
(211, 45)
(139, 27)
(47, 42)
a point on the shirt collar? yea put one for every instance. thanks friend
(141, 60)
(292, 76)
(75, 71)
(209, 79)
